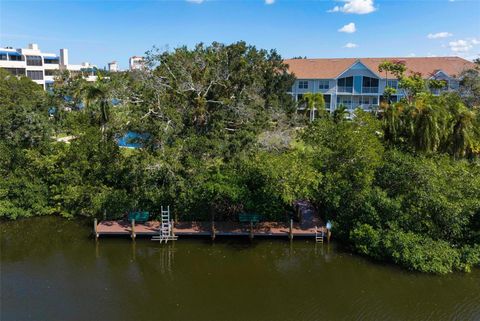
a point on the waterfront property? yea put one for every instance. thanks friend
(40, 66)
(357, 83)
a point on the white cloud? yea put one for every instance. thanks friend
(350, 45)
(355, 6)
(269, 1)
(348, 28)
(463, 45)
(196, 1)
(438, 35)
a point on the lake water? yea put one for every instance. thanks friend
(51, 269)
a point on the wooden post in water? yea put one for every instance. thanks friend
(251, 230)
(329, 234)
(95, 229)
(290, 230)
(173, 232)
(133, 229)
(213, 230)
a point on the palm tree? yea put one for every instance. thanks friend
(340, 114)
(462, 135)
(429, 123)
(392, 121)
(314, 102)
(97, 100)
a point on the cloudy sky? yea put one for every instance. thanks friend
(102, 31)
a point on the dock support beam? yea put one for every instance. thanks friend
(95, 223)
(133, 230)
(329, 234)
(251, 230)
(171, 226)
(213, 230)
(290, 230)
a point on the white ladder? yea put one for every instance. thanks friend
(166, 230)
(319, 236)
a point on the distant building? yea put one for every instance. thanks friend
(357, 83)
(113, 66)
(136, 63)
(41, 66)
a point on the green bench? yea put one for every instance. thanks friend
(249, 217)
(139, 217)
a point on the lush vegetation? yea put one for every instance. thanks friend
(221, 135)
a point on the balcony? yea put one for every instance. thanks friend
(352, 106)
(345, 89)
(370, 90)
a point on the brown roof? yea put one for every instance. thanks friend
(328, 68)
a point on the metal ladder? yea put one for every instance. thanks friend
(319, 236)
(166, 230)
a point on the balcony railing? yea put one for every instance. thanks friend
(370, 90)
(345, 89)
(353, 106)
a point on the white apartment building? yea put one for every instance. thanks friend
(113, 66)
(41, 66)
(136, 63)
(357, 83)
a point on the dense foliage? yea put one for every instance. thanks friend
(221, 135)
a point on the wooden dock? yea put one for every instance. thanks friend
(151, 228)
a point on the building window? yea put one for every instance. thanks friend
(16, 71)
(34, 61)
(3, 56)
(323, 84)
(299, 97)
(50, 72)
(392, 83)
(35, 74)
(327, 99)
(345, 85)
(51, 60)
(303, 84)
(15, 57)
(369, 85)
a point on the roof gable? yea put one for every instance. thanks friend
(358, 68)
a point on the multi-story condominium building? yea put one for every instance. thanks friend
(41, 66)
(113, 66)
(136, 63)
(356, 82)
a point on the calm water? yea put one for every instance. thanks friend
(52, 270)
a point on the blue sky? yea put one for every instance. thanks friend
(102, 31)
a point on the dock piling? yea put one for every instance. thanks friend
(213, 230)
(95, 228)
(251, 230)
(290, 231)
(133, 229)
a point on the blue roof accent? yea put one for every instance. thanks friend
(10, 53)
